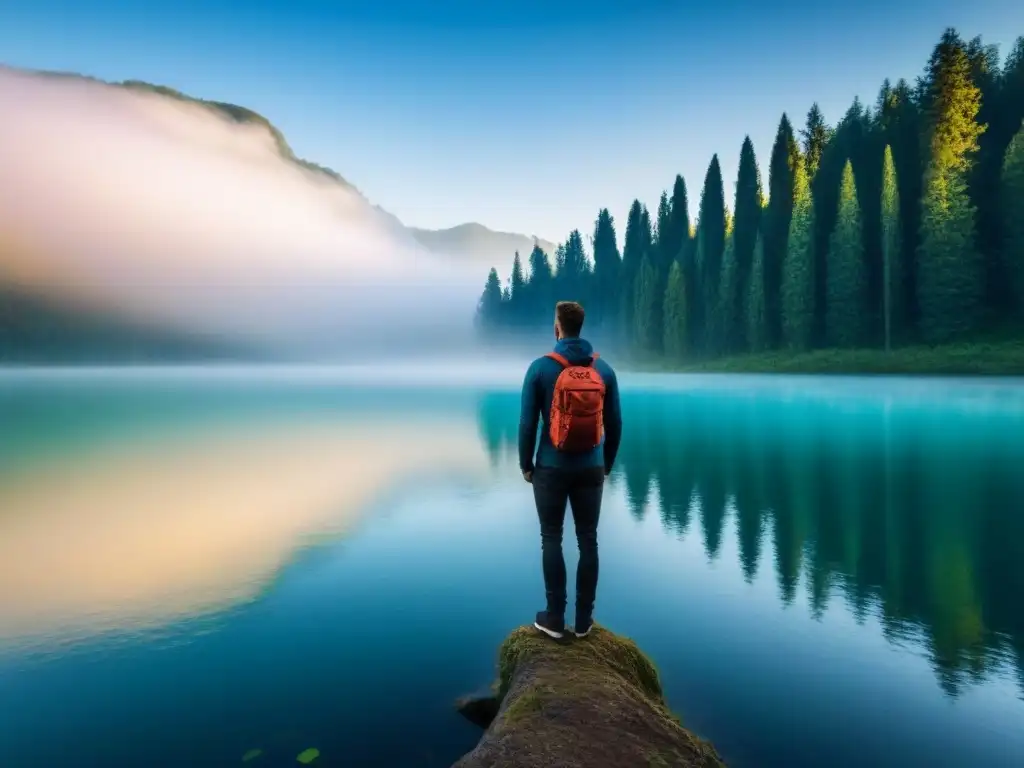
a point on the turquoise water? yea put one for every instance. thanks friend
(193, 566)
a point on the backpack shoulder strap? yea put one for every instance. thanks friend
(560, 359)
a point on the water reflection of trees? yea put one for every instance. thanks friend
(915, 517)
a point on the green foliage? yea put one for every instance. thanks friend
(710, 247)
(489, 307)
(756, 337)
(645, 300)
(798, 269)
(815, 136)
(845, 316)
(960, 359)
(604, 307)
(950, 282)
(727, 310)
(892, 254)
(517, 281)
(663, 234)
(785, 158)
(679, 229)
(307, 756)
(748, 208)
(1013, 213)
(675, 335)
(633, 251)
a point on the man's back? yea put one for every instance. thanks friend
(538, 391)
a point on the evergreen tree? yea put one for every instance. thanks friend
(489, 307)
(516, 283)
(675, 313)
(646, 234)
(815, 136)
(679, 226)
(899, 118)
(747, 221)
(728, 297)
(663, 233)
(756, 325)
(711, 245)
(576, 264)
(1013, 213)
(798, 269)
(539, 288)
(607, 269)
(892, 254)
(560, 273)
(684, 235)
(785, 156)
(983, 174)
(950, 279)
(632, 256)
(662, 258)
(645, 300)
(847, 284)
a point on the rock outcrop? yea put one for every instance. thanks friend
(595, 701)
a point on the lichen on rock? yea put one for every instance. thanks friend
(595, 701)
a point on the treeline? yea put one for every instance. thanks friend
(903, 223)
(34, 330)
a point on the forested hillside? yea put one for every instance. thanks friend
(901, 224)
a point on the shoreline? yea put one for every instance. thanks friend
(982, 360)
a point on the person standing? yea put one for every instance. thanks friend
(575, 395)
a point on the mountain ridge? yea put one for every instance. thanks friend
(469, 242)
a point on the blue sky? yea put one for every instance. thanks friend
(524, 116)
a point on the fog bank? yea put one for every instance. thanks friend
(168, 212)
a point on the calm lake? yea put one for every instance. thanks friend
(198, 564)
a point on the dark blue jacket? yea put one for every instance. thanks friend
(538, 391)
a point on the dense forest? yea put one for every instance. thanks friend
(901, 224)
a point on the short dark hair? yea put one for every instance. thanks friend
(569, 315)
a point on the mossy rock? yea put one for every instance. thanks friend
(595, 701)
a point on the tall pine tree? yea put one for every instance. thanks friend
(900, 121)
(845, 318)
(892, 253)
(950, 278)
(675, 337)
(1013, 217)
(488, 313)
(604, 309)
(662, 257)
(785, 156)
(756, 325)
(747, 221)
(540, 288)
(632, 256)
(516, 295)
(711, 245)
(679, 227)
(798, 269)
(646, 299)
(815, 136)
(726, 316)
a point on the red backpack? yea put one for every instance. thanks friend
(577, 407)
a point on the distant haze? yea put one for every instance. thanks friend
(477, 245)
(163, 211)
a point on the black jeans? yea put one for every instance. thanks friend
(583, 489)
